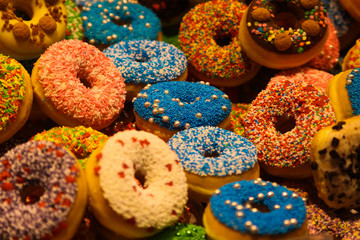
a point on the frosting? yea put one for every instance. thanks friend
(81, 141)
(54, 169)
(236, 154)
(199, 30)
(352, 86)
(180, 232)
(145, 61)
(164, 193)
(179, 105)
(60, 71)
(354, 56)
(282, 103)
(74, 28)
(12, 90)
(137, 22)
(233, 205)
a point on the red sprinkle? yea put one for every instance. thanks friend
(168, 166)
(6, 186)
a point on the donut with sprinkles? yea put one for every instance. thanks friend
(282, 121)
(255, 209)
(284, 34)
(76, 84)
(16, 96)
(74, 27)
(138, 186)
(144, 61)
(108, 22)
(352, 57)
(209, 37)
(180, 232)
(43, 192)
(168, 107)
(80, 140)
(212, 157)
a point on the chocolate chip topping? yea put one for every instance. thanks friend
(52, 2)
(339, 125)
(323, 151)
(47, 24)
(335, 142)
(21, 31)
(314, 165)
(334, 154)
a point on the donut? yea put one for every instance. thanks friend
(16, 96)
(283, 34)
(212, 157)
(328, 58)
(44, 23)
(343, 93)
(353, 8)
(338, 224)
(109, 22)
(168, 107)
(43, 192)
(255, 209)
(144, 61)
(317, 78)
(74, 28)
(76, 84)
(81, 141)
(334, 152)
(180, 232)
(237, 117)
(282, 121)
(137, 185)
(352, 57)
(209, 37)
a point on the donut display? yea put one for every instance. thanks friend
(114, 173)
(143, 62)
(43, 192)
(92, 93)
(109, 22)
(26, 37)
(283, 34)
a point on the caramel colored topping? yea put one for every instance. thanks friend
(47, 24)
(4, 4)
(282, 41)
(21, 31)
(261, 15)
(311, 27)
(308, 4)
(52, 2)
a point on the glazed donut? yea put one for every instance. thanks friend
(203, 37)
(235, 212)
(44, 195)
(283, 34)
(237, 117)
(120, 200)
(16, 96)
(143, 61)
(81, 141)
(334, 152)
(282, 121)
(353, 7)
(76, 84)
(23, 38)
(352, 57)
(343, 91)
(328, 58)
(74, 28)
(317, 78)
(212, 157)
(168, 107)
(109, 22)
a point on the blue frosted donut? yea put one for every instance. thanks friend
(352, 86)
(50, 166)
(236, 153)
(233, 205)
(179, 105)
(136, 22)
(145, 61)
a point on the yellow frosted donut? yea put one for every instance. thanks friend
(28, 27)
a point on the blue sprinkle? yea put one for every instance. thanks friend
(354, 91)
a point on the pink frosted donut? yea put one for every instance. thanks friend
(311, 76)
(329, 55)
(76, 84)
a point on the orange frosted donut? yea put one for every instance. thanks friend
(76, 84)
(283, 34)
(282, 121)
(27, 37)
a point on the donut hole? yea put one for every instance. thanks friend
(141, 57)
(121, 22)
(140, 179)
(286, 20)
(84, 79)
(211, 154)
(284, 124)
(261, 207)
(223, 40)
(31, 192)
(23, 11)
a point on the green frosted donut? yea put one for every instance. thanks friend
(74, 29)
(181, 231)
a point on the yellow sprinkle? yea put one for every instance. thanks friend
(249, 24)
(269, 39)
(256, 23)
(308, 43)
(304, 38)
